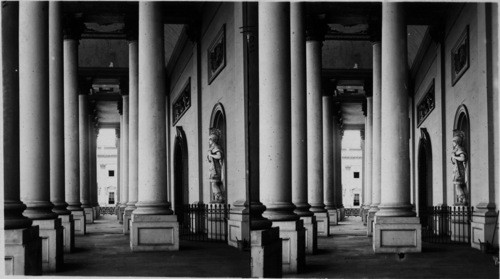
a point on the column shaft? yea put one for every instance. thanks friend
(34, 110)
(314, 126)
(338, 166)
(275, 111)
(13, 207)
(376, 126)
(84, 150)
(328, 153)
(124, 150)
(299, 109)
(152, 198)
(71, 125)
(368, 158)
(133, 121)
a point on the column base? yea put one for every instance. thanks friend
(121, 211)
(23, 251)
(266, 250)
(322, 223)
(311, 234)
(238, 224)
(79, 221)
(370, 223)
(364, 215)
(89, 215)
(397, 235)
(154, 233)
(68, 225)
(127, 214)
(333, 217)
(483, 225)
(52, 235)
(341, 214)
(292, 234)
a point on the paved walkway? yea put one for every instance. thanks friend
(105, 251)
(349, 254)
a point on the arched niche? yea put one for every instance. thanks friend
(218, 121)
(181, 171)
(424, 174)
(462, 123)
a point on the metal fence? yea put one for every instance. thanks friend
(446, 224)
(203, 222)
(352, 211)
(110, 210)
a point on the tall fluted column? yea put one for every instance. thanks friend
(368, 154)
(315, 130)
(34, 140)
(329, 159)
(299, 124)
(133, 131)
(275, 130)
(19, 235)
(94, 131)
(338, 134)
(118, 171)
(377, 132)
(84, 156)
(395, 216)
(71, 125)
(153, 214)
(124, 157)
(56, 117)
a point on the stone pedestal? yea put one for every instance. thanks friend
(154, 233)
(322, 223)
(266, 247)
(120, 212)
(238, 223)
(51, 234)
(89, 215)
(79, 221)
(97, 211)
(483, 225)
(397, 235)
(68, 225)
(369, 223)
(127, 214)
(333, 217)
(292, 234)
(23, 249)
(342, 213)
(311, 234)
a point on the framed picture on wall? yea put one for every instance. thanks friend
(460, 57)
(216, 55)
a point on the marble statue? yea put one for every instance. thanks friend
(459, 163)
(215, 156)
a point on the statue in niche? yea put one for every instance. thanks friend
(215, 157)
(459, 162)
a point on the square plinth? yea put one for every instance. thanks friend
(23, 251)
(397, 235)
(52, 235)
(238, 225)
(79, 221)
(154, 232)
(89, 215)
(68, 225)
(311, 234)
(333, 217)
(370, 223)
(323, 223)
(266, 258)
(127, 214)
(292, 234)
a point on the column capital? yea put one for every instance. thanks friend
(117, 132)
(73, 27)
(124, 86)
(84, 86)
(363, 107)
(316, 28)
(251, 35)
(362, 134)
(119, 106)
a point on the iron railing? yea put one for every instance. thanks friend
(110, 210)
(203, 222)
(446, 224)
(352, 211)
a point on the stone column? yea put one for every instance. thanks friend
(22, 242)
(153, 216)
(124, 159)
(339, 133)
(94, 132)
(299, 125)
(376, 134)
(71, 125)
(363, 168)
(334, 212)
(368, 155)
(118, 172)
(328, 159)
(34, 140)
(133, 131)
(56, 117)
(315, 129)
(275, 131)
(84, 156)
(396, 229)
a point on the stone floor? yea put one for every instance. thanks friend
(105, 251)
(349, 254)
